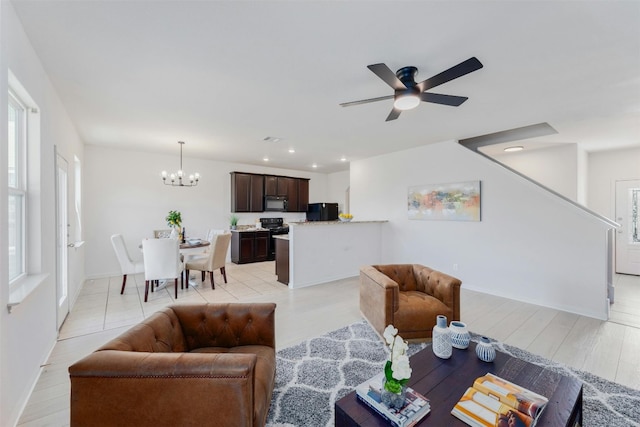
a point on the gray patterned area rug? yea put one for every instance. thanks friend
(313, 375)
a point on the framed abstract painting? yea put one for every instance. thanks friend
(458, 201)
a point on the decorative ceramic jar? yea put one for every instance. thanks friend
(441, 338)
(393, 400)
(485, 351)
(460, 336)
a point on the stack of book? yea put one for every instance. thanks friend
(493, 401)
(415, 408)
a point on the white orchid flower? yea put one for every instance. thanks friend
(401, 368)
(389, 333)
(399, 347)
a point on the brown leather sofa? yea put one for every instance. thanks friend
(409, 297)
(186, 365)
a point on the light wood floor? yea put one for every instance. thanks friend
(607, 349)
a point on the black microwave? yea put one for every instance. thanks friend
(275, 203)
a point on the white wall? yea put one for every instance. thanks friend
(530, 245)
(28, 333)
(554, 167)
(605, 168)
(124, 194)
(342, 248)
(583, 177)
(337, 185)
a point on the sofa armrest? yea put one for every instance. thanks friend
(441, 286)
(113, 387)
(227, 325)
(379, 297)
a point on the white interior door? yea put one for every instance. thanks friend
(62, 240)
(628, 236)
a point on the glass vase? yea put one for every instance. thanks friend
(393, 400)
(441, 338)
(460, 336)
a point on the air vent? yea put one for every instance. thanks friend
(272, 139)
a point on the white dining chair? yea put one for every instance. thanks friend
(127, 265)
(161, 261)
(161, 234)
(216, 258)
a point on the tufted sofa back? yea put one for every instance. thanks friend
(226, 325)
(160, 333)
(186, 327)
(402, 274)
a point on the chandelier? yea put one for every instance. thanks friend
(176, 179)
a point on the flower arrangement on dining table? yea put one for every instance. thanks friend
(397, 370)
(174, 220)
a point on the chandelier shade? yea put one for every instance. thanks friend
(179, 178)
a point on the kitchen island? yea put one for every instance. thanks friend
(323, 251)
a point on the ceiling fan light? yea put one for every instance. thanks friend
(406, 102)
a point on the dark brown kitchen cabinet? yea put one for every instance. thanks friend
(276, 185)
(247, 192)
(291, 185)
(303, 194)
(249, 246)
(270, 185)
(282, 260)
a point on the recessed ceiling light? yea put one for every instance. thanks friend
(314, 165)
(343, 159)
(514, 148)
(266, 159)
(291, 150)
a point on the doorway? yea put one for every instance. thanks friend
(626, 308)
(62, 240)
(628, 235)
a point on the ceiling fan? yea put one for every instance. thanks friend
(408, 93)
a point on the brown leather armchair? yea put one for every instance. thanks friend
(409, 297)
(187, 365)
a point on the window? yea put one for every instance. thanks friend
(17, 187)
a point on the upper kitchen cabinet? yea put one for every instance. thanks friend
(291, 185)
(276, 185)
(270, 185)
(247, 192)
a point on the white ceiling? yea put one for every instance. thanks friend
(223, 75)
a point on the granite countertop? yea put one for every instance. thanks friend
(242, 230)
(336, 222)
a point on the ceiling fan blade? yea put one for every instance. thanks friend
(438, 98)
(389, 77)
(365, 101)
(465, 67)
(394, 114)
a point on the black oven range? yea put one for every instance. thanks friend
(276, 227)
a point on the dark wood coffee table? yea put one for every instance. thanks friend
(443, 382)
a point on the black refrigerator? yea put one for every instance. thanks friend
(322, 212)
